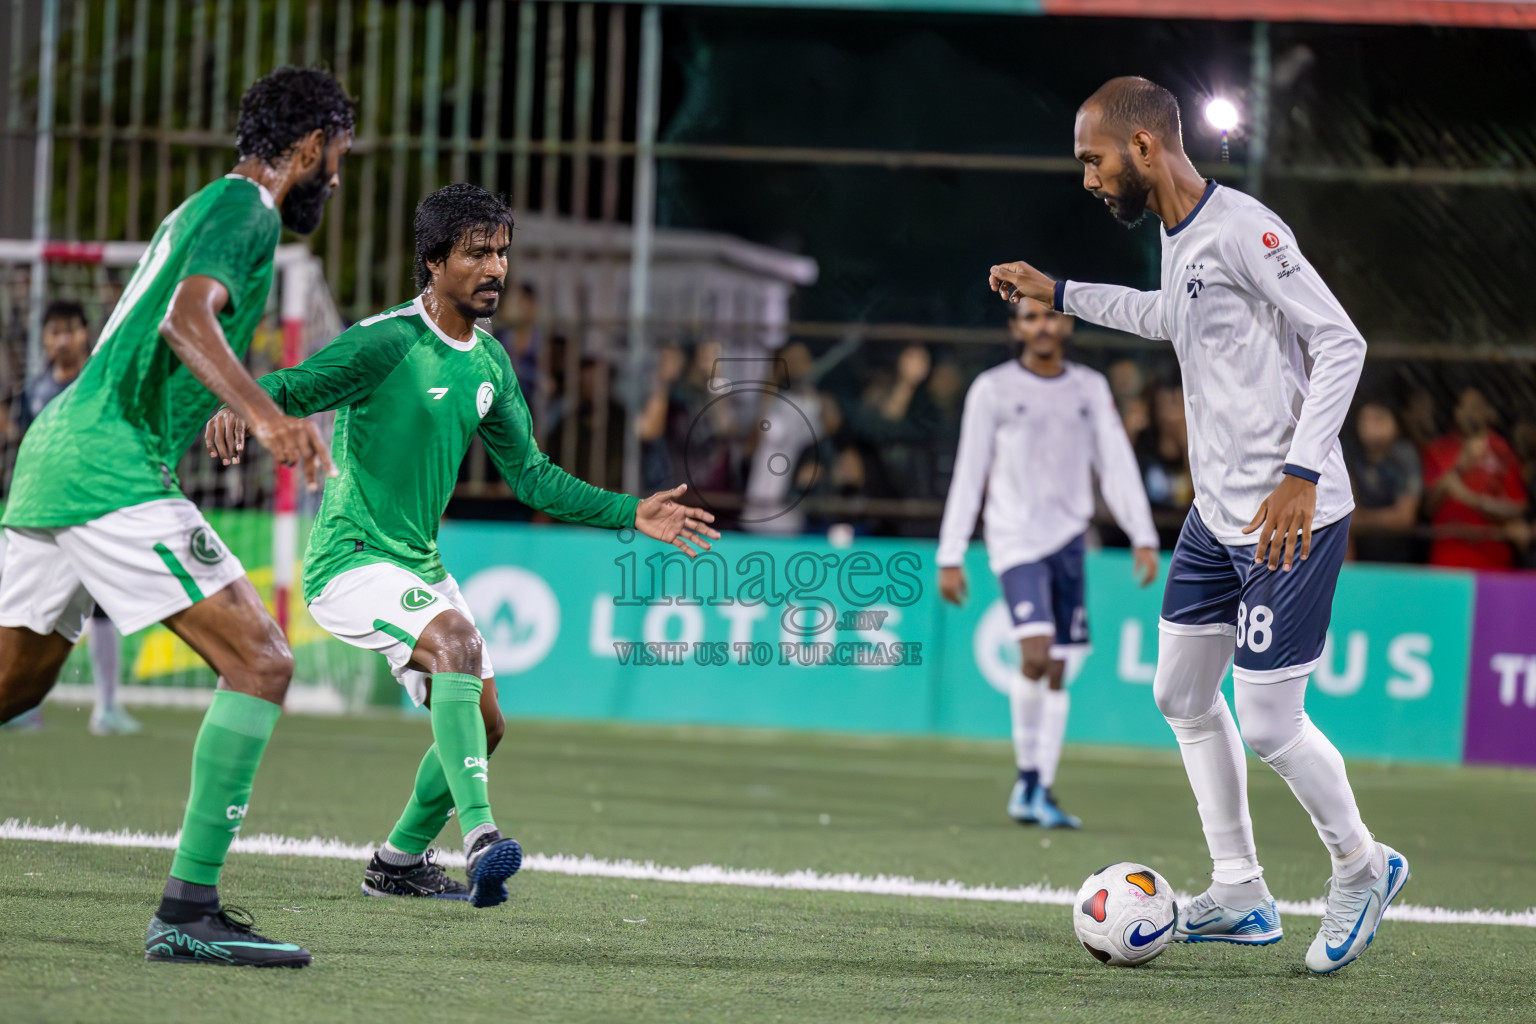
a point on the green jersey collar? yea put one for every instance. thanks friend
(266, 197)
(419, 308)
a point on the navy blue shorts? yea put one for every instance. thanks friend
(1279, 619)
(1047, 598)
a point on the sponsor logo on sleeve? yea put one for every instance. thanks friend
(1271, 240)
(484, 398)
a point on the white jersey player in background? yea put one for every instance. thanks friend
(1270, 361)
(1034, 432)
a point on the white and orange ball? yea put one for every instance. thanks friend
(1124, 914)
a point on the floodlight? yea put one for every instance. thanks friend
(1222, 114)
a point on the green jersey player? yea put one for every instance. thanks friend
(414, 385)
(96, 516)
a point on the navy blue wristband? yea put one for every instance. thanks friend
(1058, 300)
(1306, 474)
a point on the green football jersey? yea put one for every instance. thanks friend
(112, 438)
(410, 401)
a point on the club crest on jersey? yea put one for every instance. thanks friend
(205, 546)
(484, 398)
(1195, 285)
(417, 598)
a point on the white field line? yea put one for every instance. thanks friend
(706, 874)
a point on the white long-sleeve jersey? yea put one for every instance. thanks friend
(1033, 442)
(1270, 359)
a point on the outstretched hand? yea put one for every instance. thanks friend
(682, 526)
(1285, 515)
(1016, 281)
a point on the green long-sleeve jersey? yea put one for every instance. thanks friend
(410, 400)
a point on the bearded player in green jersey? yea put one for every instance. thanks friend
(414, 385)
(96, 515)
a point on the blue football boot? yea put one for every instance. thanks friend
(1351, 916)
(1205, 920)
(1020, 804)
(492, 861)
(1048, 815)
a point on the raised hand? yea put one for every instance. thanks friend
(1016, 281)
(661, 517)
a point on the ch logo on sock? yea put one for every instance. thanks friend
(236, 814)
(478, 762)
(417, 598)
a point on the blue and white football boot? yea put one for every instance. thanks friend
(1048, 815)
(1353, 915)
(1020, 807)
(1203, 919)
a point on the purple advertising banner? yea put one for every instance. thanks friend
(1501, 695)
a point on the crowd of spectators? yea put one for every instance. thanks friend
(865, 434)
(1435, 482)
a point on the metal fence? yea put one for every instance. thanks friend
(127, 105)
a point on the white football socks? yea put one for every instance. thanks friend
(1187, 688)
(1054, 705)
(1025, 705)
(106, 646)
(1277, 728)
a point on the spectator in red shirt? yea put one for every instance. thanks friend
(1472, 490)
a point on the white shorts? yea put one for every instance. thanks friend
(382, 607)
(142, 564)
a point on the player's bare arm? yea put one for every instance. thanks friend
(191, 328)
(683, 526)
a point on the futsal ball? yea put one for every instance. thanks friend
(1124, 914)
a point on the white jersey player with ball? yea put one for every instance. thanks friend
(1036, 430)
(1270, 361)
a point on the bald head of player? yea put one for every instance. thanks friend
(1129, 139)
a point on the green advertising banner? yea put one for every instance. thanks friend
(796, 633)
(1391, 685)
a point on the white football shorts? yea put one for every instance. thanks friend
(141, 564)
(382, 607)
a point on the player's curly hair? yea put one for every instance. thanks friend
(280, 109)
(451, 214)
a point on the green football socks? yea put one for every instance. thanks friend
(224, 761)
(428, 809)
(459, 732)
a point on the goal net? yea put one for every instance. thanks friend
(260, 510)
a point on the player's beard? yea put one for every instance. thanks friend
(304, 204)
(482, 306)
(1130, 206)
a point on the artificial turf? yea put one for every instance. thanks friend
(575, 948)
